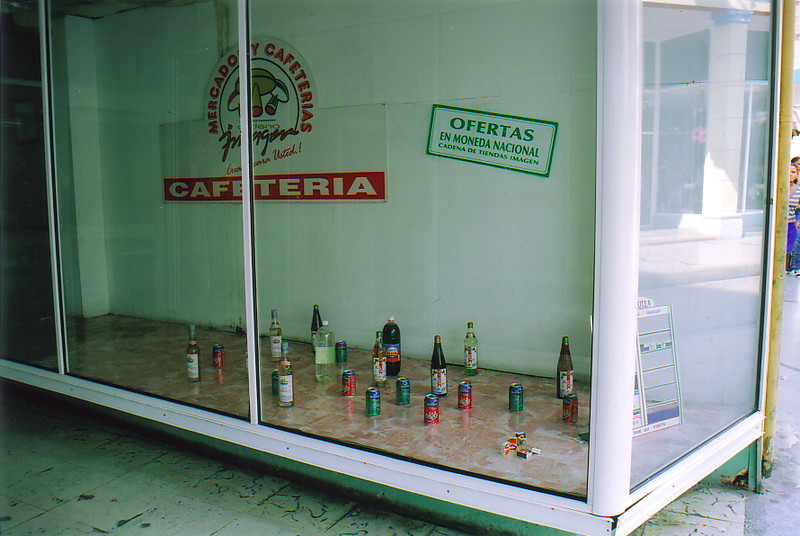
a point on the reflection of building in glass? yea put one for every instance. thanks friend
(706, 119)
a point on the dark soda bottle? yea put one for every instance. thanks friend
(391, 343)
(438, 369)
(316, 323)
(564, 370)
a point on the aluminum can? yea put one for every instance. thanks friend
(276, 386)
(349, 383)
(431, 409)
(373, 402)
(515, 397)
(403, 391)
(218, 355)
(465, 395)
(341, 352)
(570, 408)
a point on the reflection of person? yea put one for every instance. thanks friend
(794, 204)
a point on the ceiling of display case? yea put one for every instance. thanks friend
(92, 9)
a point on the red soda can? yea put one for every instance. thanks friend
(465, 395)
(349, 383)
(570, 408)
(431, 409)
(218, 355)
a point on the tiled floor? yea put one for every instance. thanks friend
(74, 474)
(702, 511)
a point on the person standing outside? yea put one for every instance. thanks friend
(794, 204)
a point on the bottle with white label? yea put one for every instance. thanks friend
(275, 338)
(564, 370)
(378, 361)
(192, 356)
(438, 369)
(470, 351)
(285, 384)
(325, 354)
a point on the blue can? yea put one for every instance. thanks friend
(373, 402)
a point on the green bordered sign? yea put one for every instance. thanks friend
(505, 141)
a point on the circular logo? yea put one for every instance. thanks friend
(281, 95)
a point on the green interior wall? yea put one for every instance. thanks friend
(454, 241)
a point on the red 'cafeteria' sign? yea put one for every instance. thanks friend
(362, 186)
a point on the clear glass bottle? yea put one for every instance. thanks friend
(470, 351)
(564, 370)
(325, 354)
(438, 369)
(285, 384)
(378, 361)
(192, 356)
(275, 337)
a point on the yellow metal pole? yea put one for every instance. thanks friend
(779, 253)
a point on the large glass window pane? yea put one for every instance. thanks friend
(27, 315)
(130, 91)
(357, 213)
(706, 125)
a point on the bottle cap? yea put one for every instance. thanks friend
(391, 318)
(324, 322)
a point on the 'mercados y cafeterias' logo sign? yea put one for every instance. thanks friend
(282, 115)
(282, 94)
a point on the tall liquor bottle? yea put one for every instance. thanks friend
(192, 356)
(378, 361)
(470, 351)
(438, 369)
(391, 343)
(285, 384)
(325, 354)
(275, 338)
(316, 323)
(564, 370)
